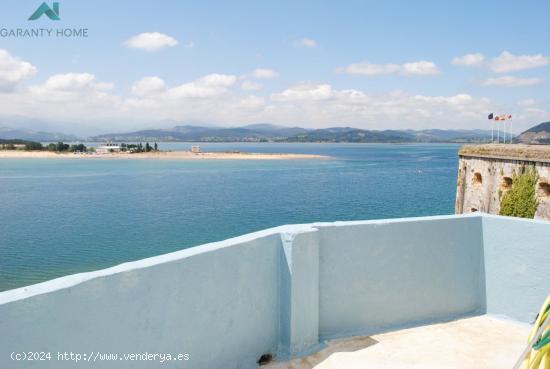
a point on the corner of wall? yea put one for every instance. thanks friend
(482, 271)
(515, 266)
(299, 293)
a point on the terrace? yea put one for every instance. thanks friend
(446, 291)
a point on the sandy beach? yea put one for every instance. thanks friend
(163, 155)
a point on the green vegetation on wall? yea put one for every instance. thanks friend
(521, 200)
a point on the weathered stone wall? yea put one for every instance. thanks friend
(483, 180)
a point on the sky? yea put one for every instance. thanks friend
(315, 64)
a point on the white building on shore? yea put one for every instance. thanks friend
(108, 147)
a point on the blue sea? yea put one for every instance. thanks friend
(60, 217)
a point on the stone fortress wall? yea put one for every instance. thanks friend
(485, 174)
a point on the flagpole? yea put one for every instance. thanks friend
(505, 133)
(498, 134)
(492, 130)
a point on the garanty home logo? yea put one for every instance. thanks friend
(52, 13)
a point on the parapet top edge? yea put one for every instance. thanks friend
(75, 279)
(501, 157)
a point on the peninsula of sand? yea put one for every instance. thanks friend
(174, 155)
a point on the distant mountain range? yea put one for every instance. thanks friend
(188, 133)
(269, 132)
(346, 134)
(29, 135)
(258, 133)
(537, 135)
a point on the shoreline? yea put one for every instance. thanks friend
(162, 155)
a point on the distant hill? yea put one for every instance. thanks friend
(14, 142)
(348, 134)
(255, 132)
(441, 135)
(359, 135)
(23, 134)
(537, 135)
(272, 129)
(269, 132)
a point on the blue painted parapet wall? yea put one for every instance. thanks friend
(283, 291)
(517, 266)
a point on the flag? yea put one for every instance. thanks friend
(503, 117)
(490, 116)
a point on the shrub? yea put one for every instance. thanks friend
(34, 146)
(521, 200)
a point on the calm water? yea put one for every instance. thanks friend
(67, 216)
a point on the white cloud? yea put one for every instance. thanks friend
(530, 115)
(511, 81)
(150, 41)
(315, 105)
(368, 69)
(508, 62)
(81, 99)
(69, 85)
(306, 92)
(504, 63)
(209, 98)
(252, 102)
(469, 60)
(13, 70)
(75, 101)
(527, 102)
(326, 106)
(265, 73)
(421, 68)
(249, 85)
(217, 80)
(209, 86)
(306, 42)
(192, 90)
(68, 82)
(148, 85)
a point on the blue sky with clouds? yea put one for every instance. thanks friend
(376, 65)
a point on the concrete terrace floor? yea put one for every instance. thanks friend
(481, 342)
